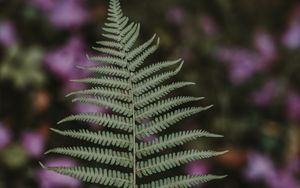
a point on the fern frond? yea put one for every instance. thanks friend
(96, 175)
(111, 121)
(140, 49)
(110, 44)
(109, 51)
(158, 93)
(114, 105)
(102, 138)
(163, 106)
(111, 30)
(107, 70)
(170, 141)
(122, 24)
(105, 81)
(127, 29)
(131, 37)
(151, 69)
(111, 93)
(105, 156)
(113, 37)
(181, 181)
(108, 60)
(140, 59)
(155, 80)
(165, 162)
(141, 105)
(161, 123)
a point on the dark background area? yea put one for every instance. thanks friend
(243, 55)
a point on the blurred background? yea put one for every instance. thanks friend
(243, 55)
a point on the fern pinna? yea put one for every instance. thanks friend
(140, 107)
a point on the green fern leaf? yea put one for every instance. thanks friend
(165, 162)
(95, 175)
(101, 138)
(95, 154)
(111, 93)
(151, 69)
(114, 105)
(140, 106)
(140, 49)
(162, 106)
(140, 59)
(110, 51)
(110, 44)
(161, 123)
(170, 141)
(181, 181)
(107, 70)
(111, 121)
(158, 93)
(154, 81)
(109, 60)
(105, 81)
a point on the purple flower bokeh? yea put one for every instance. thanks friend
(85, 108)
(261, 168)
(208, 25)
(176, 16)
(282, 179)
(5, 136)
(49, 179)
(243, 63)
(293, 105)
(264, 95)
(7, 33)
(34, 143)
(265, 46)
(62, 61)
(196, 167)
(149, 138)
(291, 37)
(61, 12)
(44, 5)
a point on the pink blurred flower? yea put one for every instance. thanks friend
(264, 44)
(67, 14)
(5, 136)
(175, 15)
(34, 143)
(259, 167)
(62, 13)
(7, 33)
(49, 179)
(293, 105)
(291, 37)
(85, 108)
(264, 95)
(282, 179)
(149, 138)
(208, 25)
(196, 167)
(62, 61)
(293, 165)
(44, 5)
(242, 63)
